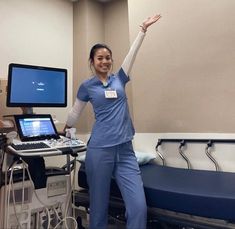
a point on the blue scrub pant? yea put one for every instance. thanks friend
(120, 162)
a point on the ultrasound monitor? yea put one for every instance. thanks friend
(36, 86)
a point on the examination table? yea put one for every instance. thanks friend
(207, 194)
(188, 198)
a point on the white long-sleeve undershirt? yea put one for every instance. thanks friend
(127, 64)
(131, 55)
(75, 112)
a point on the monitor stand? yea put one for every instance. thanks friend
(27, 110)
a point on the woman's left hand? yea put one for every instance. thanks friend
(149, 21)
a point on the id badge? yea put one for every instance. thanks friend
(110, 94)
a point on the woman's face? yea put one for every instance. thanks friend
(102, 61)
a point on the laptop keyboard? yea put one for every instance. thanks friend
(30, 146)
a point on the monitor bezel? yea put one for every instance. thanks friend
(9, 103)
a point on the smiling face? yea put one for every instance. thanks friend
(101, 60)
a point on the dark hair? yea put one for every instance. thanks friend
(94, 49)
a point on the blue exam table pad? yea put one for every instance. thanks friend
(195, 192)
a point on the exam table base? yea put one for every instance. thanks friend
(156, 217)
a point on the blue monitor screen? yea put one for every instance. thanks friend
(36, 86)
(36, 127)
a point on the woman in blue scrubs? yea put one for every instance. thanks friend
(109, 151)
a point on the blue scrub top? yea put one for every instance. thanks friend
(113, 124)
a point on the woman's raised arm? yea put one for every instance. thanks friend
(130, 57)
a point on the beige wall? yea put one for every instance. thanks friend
(184, 73)
(182, 80)
(96, 22)
(37, 32)
(88, 29)
(117, 36)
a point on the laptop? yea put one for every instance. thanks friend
(38, 136)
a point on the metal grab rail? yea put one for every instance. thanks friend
(182, 144)
(208, 147)
(209, 143)
(159, 154)
(196, 140)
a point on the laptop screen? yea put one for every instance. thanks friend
(35, 127)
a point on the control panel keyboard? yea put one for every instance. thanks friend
(47, 147)
(30, 146)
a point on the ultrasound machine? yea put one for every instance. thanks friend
(33, 195)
